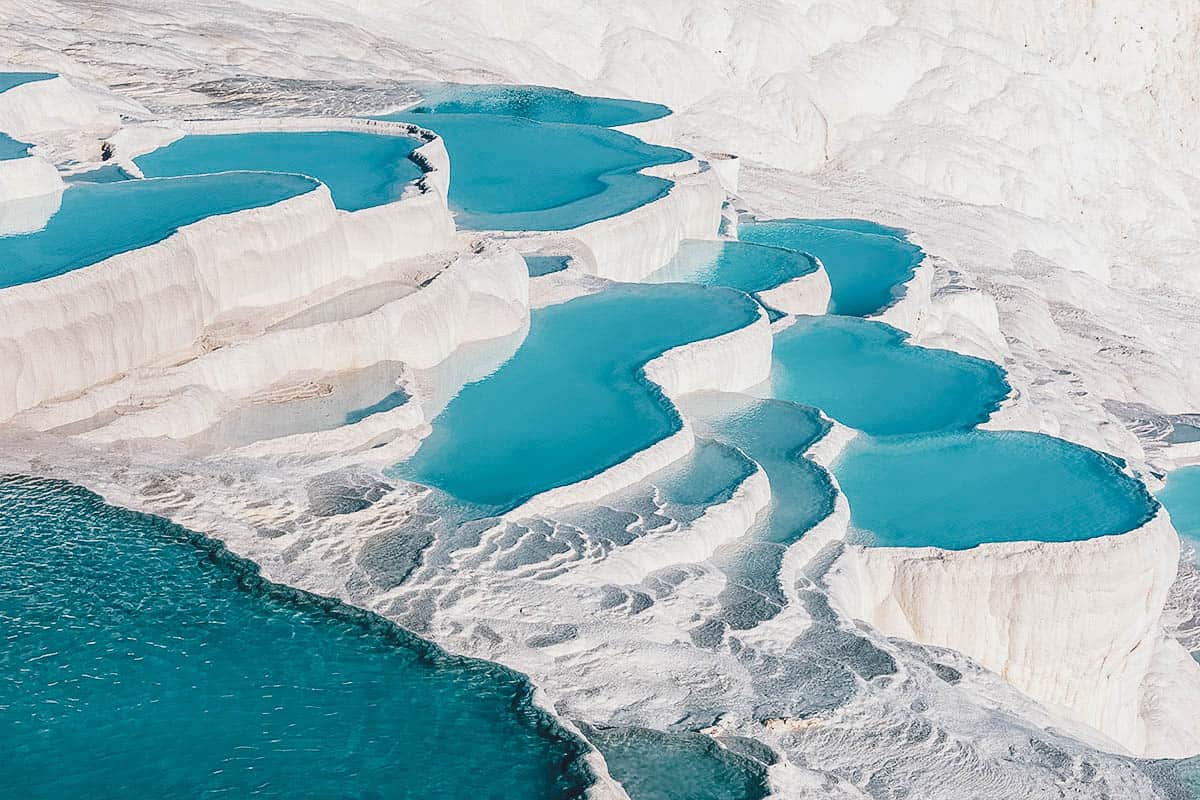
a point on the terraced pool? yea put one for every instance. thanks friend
(540, 103)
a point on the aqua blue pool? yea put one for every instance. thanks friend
(573, 400)
(540, 103)
(544, 265)
(866, 263)
(510, 173)
(10, 148)
(1181, 497)
(775, 434)
(10, 80)
(958, 490)
(143, 660)
(361, 169)
(864, 375)
(653, 765)
(100, 220)
(110, 173)
(738, 265)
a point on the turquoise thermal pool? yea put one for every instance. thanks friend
(958, 490)
(511, 173)
(573, 399)
(361, 169)
(545, 265)
(1181, 497)
(540, 103)
(867, 263)
(11, 80)
(143, 660)
(739, 265)
(10, 148)
(96, 221)
(866, 376)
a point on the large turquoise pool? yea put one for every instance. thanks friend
(10, 80)
(958, 490)
(96, 221)
(361, 169)
(573, 399)
(866, 376)
(142, 660)
(1181, 497)
(867, 263)
(541, 103)
(512, 173)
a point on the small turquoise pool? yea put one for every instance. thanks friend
(573, 400)
(545, 265)
(866, 376)
(110, 173)
(10, 148)
(739, 265)
(653, 765)
(1181, 497)
(143, 660)
(540, 103)
(511, 173)
(867, 263)
(958, 490)
(361, 169)
(10, 80)
(96, 221)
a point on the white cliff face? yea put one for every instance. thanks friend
(1076, 625)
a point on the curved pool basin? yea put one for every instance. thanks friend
(11, 80)
(739, 265)
(99, 220)
(867, 263)
(511, 173)
(866, 376)
(362, 170)
(540, 103)
(959, 490)
(1181, 497)
(143, 660)
(573, 400)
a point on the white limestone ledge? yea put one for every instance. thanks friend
(1075, 625)
(64, 334)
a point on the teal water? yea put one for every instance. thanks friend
(958, 490)
(9, 80)
(540, 103)
(361, 169)
(573, 400)
(739, 265)
(511, 173)
(392, 400)
(10, 148)
(866, 376)
(143, 660)
(1181, 497)
(866, 263)
(110, 173)
(544, 265)
(775, 434)
(653, 765)
(99, 220)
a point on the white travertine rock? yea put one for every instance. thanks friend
(1075, 625)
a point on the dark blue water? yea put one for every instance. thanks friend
(540, 103)
(99, 220)
(361, 169)
(867, 263)
(512, 173)
(142, 660)
(958, 490)
(573, 400)
(866, 376)
(9, 80)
